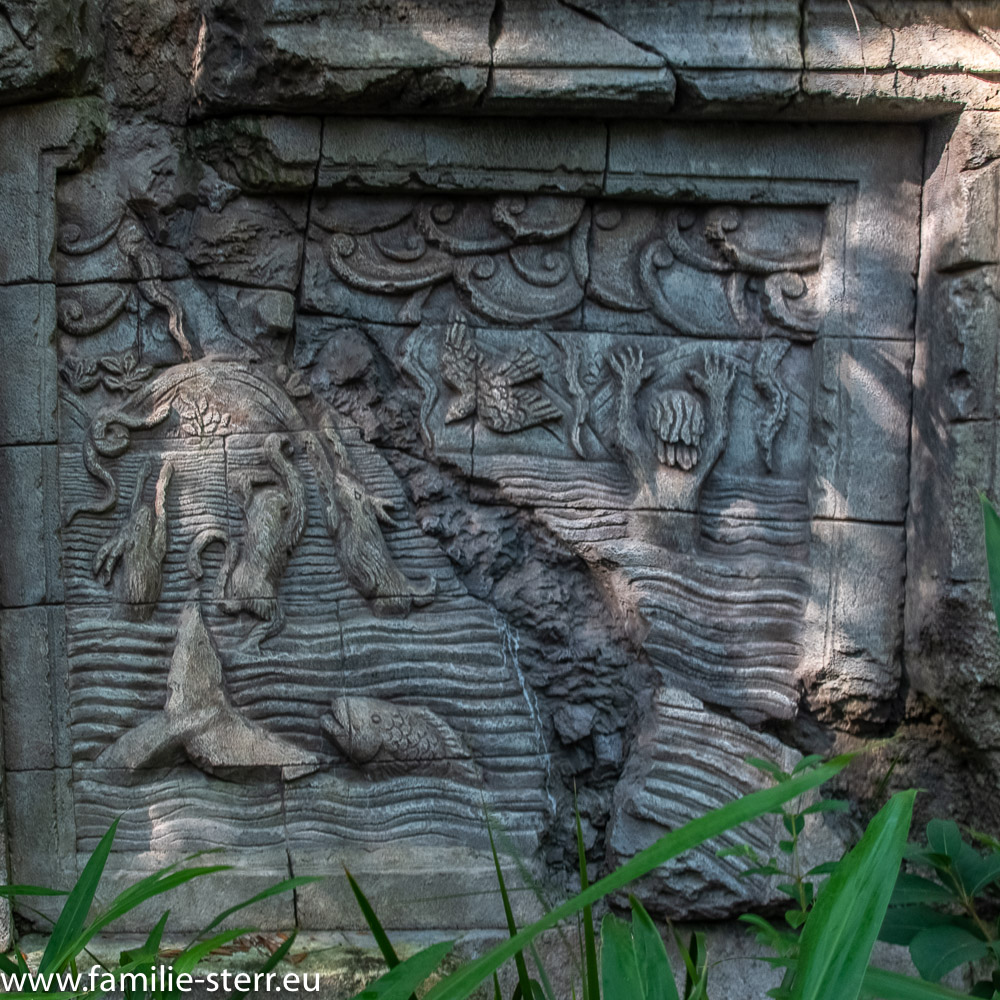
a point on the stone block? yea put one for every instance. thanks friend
(250, 240)
(33, 681)
(445, 154)
(861, 430)
(355, 58)
(259, 154)
(901, 36)
(851, 645)
(28, 401)
(34, 142)
(718, 35)
(42, 835)
(29, 524)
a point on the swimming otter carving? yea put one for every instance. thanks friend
(140, 546)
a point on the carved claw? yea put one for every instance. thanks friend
(107, 557)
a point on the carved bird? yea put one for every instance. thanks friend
(199, 719)
(493, 389)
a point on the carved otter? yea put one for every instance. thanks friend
(140, 545)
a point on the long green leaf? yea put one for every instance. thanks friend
(272, 961)
(193, 954)
(991, 525)
(838, 937)
(74, 912)
(880, 984)
(374, 925)
(591, 987)
(400, 982)
(286, 885)
(30, 890)
(523, 979)
(620, 979)
(128, 900)
(460, 983)
(651, 955)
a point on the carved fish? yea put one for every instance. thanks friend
(389, 739)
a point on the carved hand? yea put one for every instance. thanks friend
(716, 383)
(629, 366)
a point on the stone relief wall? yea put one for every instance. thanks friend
(396, 470)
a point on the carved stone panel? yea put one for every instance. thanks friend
(383, 513)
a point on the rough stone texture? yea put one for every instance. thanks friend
(466, 403)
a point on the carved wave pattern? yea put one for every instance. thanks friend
(688, 762)
(516, 260)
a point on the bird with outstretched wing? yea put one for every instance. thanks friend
(493, 388)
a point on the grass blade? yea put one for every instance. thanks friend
(840, 932)
(991, 526)
(591, 986)
(30, 890)
(523, 979)
(272, 962)
(193, 954)
(620, 978)
(400, 982)
(651, 955)
(879, 984)
(374, 925)
(287, 885)
(460, 983)
(76, 908)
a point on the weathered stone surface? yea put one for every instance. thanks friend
(362, 57)
(34, 143)
(261, 153)
(28, 402)
(443, 154)
(34, 690)
(31, 572)
(47, 48)
(489, 459)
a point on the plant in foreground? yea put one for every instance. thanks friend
(827, 960)
(74, 928)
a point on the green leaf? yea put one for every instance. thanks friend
(894, 986)
(523, 980)
(768, 768)
(620, 978)
(374, 924)
(60, 950)
(916, 889)
(944, 837)
(460, 983)
(400, 982)
(838, 937)
(271, 963)
(591, 986)
(193, 954)
(988, 871)
(826, 806)
(30, 890)
(810, 760)
(937, 950)
(826, 868)
(286, 885)
(655, 974)
(991, 526)
(903, 923)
